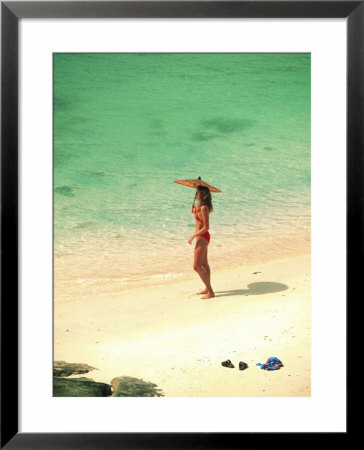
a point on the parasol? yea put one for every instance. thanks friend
(197, 182)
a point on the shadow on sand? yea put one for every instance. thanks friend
(259, 288)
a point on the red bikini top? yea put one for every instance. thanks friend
(197, 218)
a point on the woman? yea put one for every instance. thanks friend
(202, 235)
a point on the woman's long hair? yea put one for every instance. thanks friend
(205, 197)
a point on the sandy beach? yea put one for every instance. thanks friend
(167, 335)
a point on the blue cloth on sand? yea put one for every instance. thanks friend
(271, 364)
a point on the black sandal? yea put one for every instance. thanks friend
(228, 363)
(243, 365)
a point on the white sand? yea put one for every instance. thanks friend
(167, 335)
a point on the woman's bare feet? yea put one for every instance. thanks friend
(209, 295)
(205, 291)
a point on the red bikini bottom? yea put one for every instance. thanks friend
(206, 236)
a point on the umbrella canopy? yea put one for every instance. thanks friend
(197, 182)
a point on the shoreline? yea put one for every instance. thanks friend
(82, 275)
(167, 335)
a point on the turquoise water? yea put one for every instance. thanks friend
(127, 125)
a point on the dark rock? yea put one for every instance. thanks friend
(64, 369)
(79, 387)
(134, 387)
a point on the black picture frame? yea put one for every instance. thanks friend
(11, 12)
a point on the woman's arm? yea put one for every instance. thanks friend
(205, 218)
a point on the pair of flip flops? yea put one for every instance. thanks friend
(228, 363)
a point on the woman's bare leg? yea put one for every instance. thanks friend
(204, 273)
(205, 266)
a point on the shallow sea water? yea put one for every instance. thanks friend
(127, 125)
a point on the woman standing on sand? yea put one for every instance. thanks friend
(202, 235)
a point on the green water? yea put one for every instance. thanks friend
(127, 125)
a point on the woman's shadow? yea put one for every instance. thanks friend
(258, 288)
